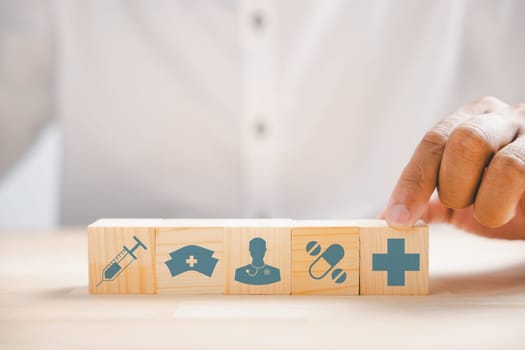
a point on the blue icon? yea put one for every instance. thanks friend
(326, 261)
(395, 262)
(257, 273)
(121, 261)
(192, 258)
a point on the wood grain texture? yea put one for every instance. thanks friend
(373, 239)
(302, 282)
(277, 255)
(104, 243)
(170, 239)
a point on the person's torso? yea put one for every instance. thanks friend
(286, 108)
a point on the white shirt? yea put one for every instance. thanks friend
(302, 109)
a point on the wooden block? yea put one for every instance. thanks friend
(190, 257)
(393, 262)
(122, 256)
(325, 258)
(258, 257)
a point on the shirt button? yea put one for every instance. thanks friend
(258, 21)
(260, 129)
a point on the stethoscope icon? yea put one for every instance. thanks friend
(326, 262)
(257, 269)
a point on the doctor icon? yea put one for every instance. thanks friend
(257, 273)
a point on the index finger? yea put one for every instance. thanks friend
(419, 177)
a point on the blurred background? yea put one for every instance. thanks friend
(302, 109)
(29, 190)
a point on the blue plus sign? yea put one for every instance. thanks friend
(395, 262)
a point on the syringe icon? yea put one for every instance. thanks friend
(122, 260)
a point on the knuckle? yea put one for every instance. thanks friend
(520, 106)
(434, 141)
(519, 109)
(436, 136)
(489, 103)
(509, 162)
(488, 99)
(469, 140)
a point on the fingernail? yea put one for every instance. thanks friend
(398, 215)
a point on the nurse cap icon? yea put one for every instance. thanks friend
(257, 273)
(191, 258)
(326, 262)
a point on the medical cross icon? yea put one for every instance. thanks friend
(395, 262)
(191, 261)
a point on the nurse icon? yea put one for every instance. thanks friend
(257, 273)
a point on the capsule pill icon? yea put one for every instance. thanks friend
(326, 261)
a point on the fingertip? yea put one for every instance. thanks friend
(491, 220)
(398, 216)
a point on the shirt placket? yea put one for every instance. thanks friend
(259, 110)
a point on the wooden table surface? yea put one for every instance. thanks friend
(477, 301)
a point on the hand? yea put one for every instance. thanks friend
(476, 160)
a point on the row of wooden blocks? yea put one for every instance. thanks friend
(263, 256)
